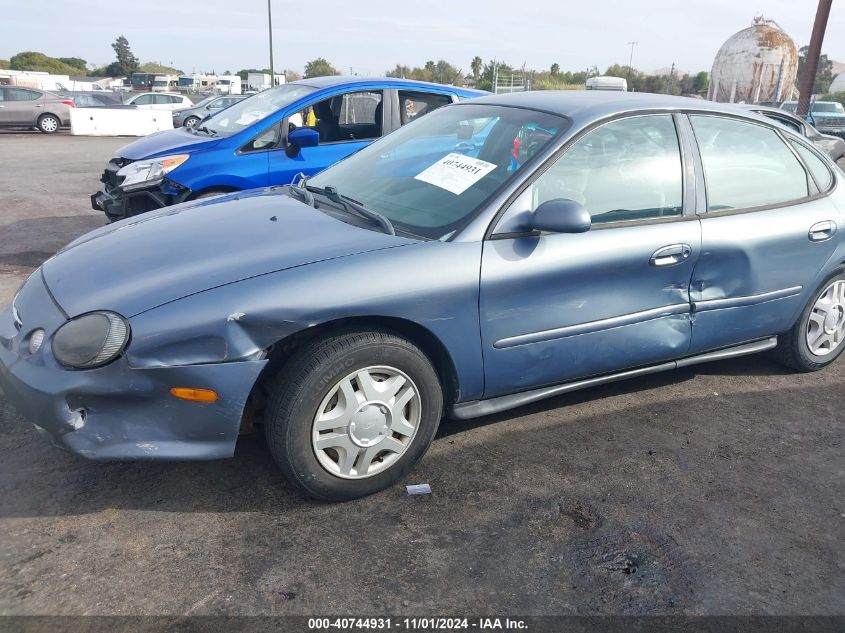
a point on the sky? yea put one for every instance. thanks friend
(369, 37)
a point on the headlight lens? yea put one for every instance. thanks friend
(146, 171)
(90, 340)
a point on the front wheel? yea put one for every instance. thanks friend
(191, 121)
(49, 123)
(816, 340)
(353, 413)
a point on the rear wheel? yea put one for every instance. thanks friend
(818, 338)
(353, 413)
(49, 123)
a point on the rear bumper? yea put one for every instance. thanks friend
(117, 411)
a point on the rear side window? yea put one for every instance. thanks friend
(818, 170)
(746, 164)
(413, 105)
(20, 94)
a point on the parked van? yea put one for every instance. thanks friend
(229, 85)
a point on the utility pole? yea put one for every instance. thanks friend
(811, 63)
(630, 62)
(671, 79)
(270, 27)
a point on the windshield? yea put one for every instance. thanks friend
(205, 101)
(430, 176)
(244, 113)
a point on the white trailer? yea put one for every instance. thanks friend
(605, 82)
(229, 85)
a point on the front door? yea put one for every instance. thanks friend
(346, 122)
(555, 307)
(766, 235)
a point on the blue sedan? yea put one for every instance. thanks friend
(267, 139)
(490, 254)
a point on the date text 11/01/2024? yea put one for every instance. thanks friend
(417, 624)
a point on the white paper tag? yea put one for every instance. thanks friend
(455, 172)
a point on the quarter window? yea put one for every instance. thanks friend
(746, 164)
(625, 170)
(821, 174)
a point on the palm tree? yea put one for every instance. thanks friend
(476, 65)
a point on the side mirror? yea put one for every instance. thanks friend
(561, 216)
(299, 138)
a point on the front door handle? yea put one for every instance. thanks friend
(670, 255)
(822, 231)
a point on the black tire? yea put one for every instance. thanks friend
(300, 387)
(49, 123)
(793, 350)
(191, 121)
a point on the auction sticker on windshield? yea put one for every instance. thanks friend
(456, 172)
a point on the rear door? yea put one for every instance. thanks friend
(768, 231)
(22, 106)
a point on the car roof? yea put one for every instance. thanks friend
(340, 80)
(593, 104)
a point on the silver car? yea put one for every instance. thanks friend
(189, 117)
(832, 145)
(27, 107)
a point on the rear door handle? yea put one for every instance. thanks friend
(39, 105)
(822, 231)
(670, 255)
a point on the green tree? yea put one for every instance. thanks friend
(32, 60)
(75, 62)
(126, 63)
(555, 69)
(319, 67)
(158, 69)
(824, 70)
(400, 71)
(700, 83)
(4, 64)
(476, 65)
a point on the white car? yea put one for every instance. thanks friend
(160, 101)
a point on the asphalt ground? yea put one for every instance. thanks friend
(711, 490)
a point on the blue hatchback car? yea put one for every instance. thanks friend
(267, 139)
(493, 253)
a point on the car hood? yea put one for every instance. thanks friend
(143, 262)
(166, 142)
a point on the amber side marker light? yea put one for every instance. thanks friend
(194, 395)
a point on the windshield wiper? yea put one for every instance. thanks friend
(301, 192)
(206, 130)
(353, 205)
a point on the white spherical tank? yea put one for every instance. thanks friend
(756, 64)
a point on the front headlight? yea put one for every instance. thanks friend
(143, 172)
(91, 340)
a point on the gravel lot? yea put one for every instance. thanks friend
(717, 490)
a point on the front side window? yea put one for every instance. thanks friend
(746, 164)
(413, 105)
(624, 170)
(430, 178)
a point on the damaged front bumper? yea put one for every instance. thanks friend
(118, 202)
(117, 411)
